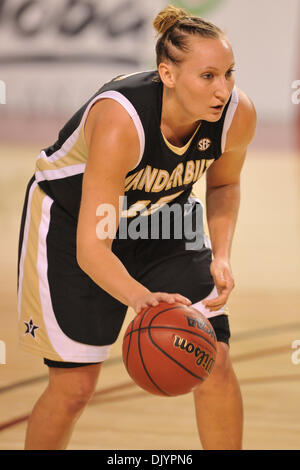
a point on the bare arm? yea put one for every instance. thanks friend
(113, 151)
(223, 198)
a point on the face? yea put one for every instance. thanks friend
(202, 83)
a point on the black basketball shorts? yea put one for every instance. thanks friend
(63, 315)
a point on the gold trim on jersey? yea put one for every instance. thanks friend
(77, 154)
(180, 150)
(122, 77)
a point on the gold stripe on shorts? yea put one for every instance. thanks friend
(33, 335)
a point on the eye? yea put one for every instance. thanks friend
(230, 72)
(207, 76)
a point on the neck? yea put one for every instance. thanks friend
(176, 125)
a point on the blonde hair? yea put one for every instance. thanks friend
(167, 18)
(174, 26)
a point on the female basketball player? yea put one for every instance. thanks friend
(149, 137)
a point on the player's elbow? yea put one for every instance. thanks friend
(228, 186)
(89, 249)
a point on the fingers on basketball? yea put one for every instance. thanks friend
(173, 298)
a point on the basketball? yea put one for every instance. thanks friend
(169, 349)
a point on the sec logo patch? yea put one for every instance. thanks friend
(204, 144)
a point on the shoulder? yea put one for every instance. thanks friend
(110, 118)
(109, 130)
(243, 126)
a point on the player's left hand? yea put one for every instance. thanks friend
(221, 272)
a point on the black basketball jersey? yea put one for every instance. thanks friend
(164, 174)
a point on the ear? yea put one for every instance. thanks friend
(166, 73)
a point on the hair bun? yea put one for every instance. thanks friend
(167, 18)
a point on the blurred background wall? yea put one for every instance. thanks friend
(55, 53)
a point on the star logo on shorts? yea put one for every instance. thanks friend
(30, 328)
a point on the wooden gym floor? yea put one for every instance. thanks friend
(264, 316)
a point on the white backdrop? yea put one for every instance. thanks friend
(265, 37)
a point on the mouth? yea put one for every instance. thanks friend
(218, 108)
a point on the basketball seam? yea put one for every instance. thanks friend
(174, 360)
(127, 355)
(142, 360)
(171, 308)
(172, 328)
(180, 307)
(164, 352)
(129, 345)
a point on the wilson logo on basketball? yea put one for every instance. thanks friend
(204, 144)
(200, 325)
(202, 358)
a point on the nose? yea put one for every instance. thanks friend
(223, 90)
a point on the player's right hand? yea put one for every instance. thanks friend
(152, 299)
